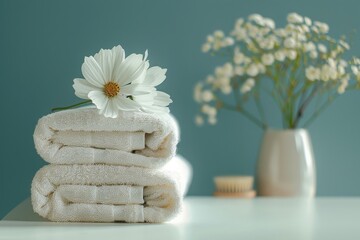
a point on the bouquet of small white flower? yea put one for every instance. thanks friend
(300, 60)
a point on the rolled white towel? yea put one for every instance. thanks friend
(105, 193)
(82, 136)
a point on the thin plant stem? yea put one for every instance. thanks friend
(320, 110)
(245, 113)
(306, 103)
(239, 108)
(71, 106)
(259, 105)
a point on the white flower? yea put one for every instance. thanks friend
(324, 74)
(239, 22)
(291, 54)
(257, 18)
(322, 48)
(307, 21)
(252, 70)
(212, 120)
(240, 34)
(290, 42)
(199, 120)
(309, 46)
(223, 81)
(313, 54)
(253, 31)
(305, 28)
(261, 67)
(343, 63)
(269, 23)
(323, 27)
(207, 96)
(154, 101)
(112, 81)
(315, 29)
(239, 57)
(247, 86)
(206, 47)
(344, 44)
(301, 38)
(333, 73)
(198, 92)
(280, 55)
(268, 43)
(312, 73)
(280, 32)
(210, 79)
(239, 70)
(267, 59)
(219, 34)
(294, 18)
(228, 69)
(355, 70)
(341, 70)
(209, 110)
(344, 82)
(228, 41)
(226, 89)
(210, 39)
(331, 62)
(356, 60)
(328, 72)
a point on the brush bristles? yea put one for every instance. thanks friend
(234, 184)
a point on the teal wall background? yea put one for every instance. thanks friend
(43, 44)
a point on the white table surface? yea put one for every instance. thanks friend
(209, 218)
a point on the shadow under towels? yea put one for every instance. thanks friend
(83, 136)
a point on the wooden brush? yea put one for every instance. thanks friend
(234, 186)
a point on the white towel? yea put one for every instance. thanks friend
(105, 193)
(82, 136)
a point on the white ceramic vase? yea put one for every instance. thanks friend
(286, 164)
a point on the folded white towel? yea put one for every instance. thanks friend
(105, 193)
(82, 136)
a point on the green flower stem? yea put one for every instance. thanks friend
(262, 124)
(260, 108)
(71, 106)
(320, 110)
(252, 118)
(245, 113)
(304, 105)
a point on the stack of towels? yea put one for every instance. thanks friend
(106, 170)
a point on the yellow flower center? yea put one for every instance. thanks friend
(111, 89)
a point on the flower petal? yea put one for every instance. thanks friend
(110, 60)
(141, 77)
(126, 104)
(130, 69)
(118, 55)
(155, 109)
(83, 87)
(146, 54)
(155, 75)
(93, 72)
(162, 99)
(136, 88)
(145, 99)
(99, 99)
(106, 63)
(110, 109)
